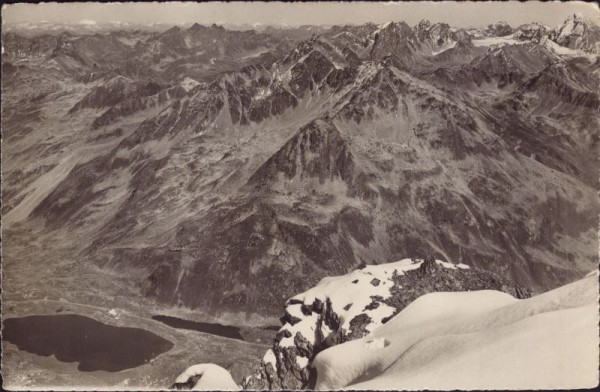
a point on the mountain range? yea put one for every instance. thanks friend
(229, 170)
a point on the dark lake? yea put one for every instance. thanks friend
(272, 327)
(215, 329)
(75, 338)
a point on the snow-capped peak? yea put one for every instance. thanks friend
(424, 23)
(578, 32)
(384, 25)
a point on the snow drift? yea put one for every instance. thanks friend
(475, 340)
(206, 377)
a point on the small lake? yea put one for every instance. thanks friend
(212, 328)
(75, 338)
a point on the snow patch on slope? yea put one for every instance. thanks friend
(444, 48)
(564, 51)
(189, 83)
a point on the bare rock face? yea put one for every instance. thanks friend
(318, 150)
(349, 307)
(395, 38)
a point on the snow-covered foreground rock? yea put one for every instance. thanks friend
(475, 340)
(348, 307)
(206, 377)
(460, 337)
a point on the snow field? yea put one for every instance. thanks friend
(476, 340)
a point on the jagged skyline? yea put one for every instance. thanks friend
(456, 14)
(229, 207)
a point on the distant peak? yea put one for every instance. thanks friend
(174, 29)
(579, 18)
(575, 16)
(424, 23)
(197, 26)
(394, 26)
(499, 23)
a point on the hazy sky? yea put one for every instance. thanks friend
(464, 14)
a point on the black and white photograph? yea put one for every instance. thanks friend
(300, 195)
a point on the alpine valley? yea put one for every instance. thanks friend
(210, 174)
